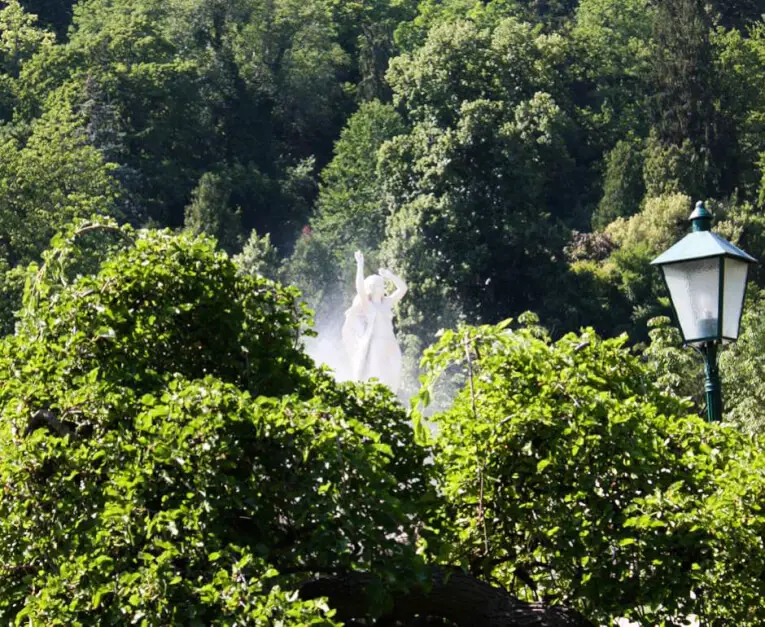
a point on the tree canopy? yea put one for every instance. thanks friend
(473, 142)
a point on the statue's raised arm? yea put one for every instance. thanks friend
(360, 290)
(368, 335)
(401, 287)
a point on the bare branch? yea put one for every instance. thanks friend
(44, 418)
(452, 595)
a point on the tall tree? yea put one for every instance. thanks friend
(475, 219)
(55, 14)
(20, 40)
(350, 210)
(192, 86)
(48, 178)
(210, 212)
(614, 52)
(687, 89)
(623, 186)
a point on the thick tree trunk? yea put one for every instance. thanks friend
(454, 595)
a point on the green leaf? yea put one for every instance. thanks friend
(627, 541)
(542, 464)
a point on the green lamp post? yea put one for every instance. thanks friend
(706, 278)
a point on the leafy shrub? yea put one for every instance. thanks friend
(169, 457)
(568, 474)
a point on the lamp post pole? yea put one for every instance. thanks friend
(712, 385)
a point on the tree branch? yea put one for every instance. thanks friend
(108, 228)
(44, 418)
(12, 572)
(453, 595)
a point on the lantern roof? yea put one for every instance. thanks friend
(701, 245)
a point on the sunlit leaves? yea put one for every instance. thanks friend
(568, 474)
(190, 467)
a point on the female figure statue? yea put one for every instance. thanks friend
(368, 336)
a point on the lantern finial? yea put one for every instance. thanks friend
(701, 219)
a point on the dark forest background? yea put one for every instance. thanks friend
(502, 157)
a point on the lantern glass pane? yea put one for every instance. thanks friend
(733, 296)
(694, 287)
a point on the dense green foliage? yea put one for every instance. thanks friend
(169, 454)
(166, 452)
(567, 473)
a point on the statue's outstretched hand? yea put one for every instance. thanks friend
(359, 256)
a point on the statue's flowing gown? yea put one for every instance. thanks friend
(371, 344)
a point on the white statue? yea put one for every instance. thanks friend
(368, 335)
